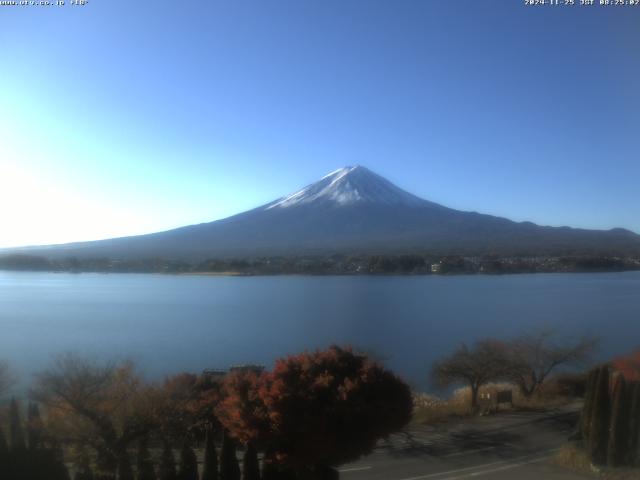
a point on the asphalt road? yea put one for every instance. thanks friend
(504, 446)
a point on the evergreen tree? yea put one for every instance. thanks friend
(125, 472)
(144, 465)
(587, 409)
(4, 457)
(15, 428)
(188, 463)
(57, 469)
(106, 465)
(84, 471)
(167, 467)
(599, 425)
(210, 467)
(229, 468)
(619, 426)
(271, 470)
(634, 424)
(34, 427)
(4, 448)
(250, 465)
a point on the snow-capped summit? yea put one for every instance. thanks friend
(349, 186)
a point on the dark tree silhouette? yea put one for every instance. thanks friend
(6, 378)
(15, 427)
(619, 429)
(4, 447)
(532, 358)
(599, 426)
(330, 407)
(55, 466)
(144, 465)
(250, 465)
(274, 470)
(167, 467)
(587, 409)
(634, 424)
(229, 468)
(84, 471)
(210, 466)
(125, 472)
(4, 456)
(486, 361)
(188, 463)
(34, 427)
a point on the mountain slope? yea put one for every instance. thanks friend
(353, 210)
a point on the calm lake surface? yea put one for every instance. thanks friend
(175, 323)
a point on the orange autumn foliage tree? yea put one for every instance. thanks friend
(241, 411)
(185, 404)
(106, 407)
(326, 408)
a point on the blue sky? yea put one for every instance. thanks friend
(124, 117)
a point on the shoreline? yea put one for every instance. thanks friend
(323, 274)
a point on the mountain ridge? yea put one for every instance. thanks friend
(351, 210)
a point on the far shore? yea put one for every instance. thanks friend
(216, 274)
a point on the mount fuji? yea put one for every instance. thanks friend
(352, 210)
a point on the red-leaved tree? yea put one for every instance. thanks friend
(241, 411)
(629, 366)
(330, 407)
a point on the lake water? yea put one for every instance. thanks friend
(175, 323)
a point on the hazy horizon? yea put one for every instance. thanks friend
(289, 194)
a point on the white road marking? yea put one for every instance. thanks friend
(499, 469)
(355, 469)
(480, 467)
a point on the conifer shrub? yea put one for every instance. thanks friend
(84, 471)
(16, 431)
(634, 423)
(599, 423)
(210, 465)
(34, 427)
(125, 471)
(188, 463)
(587, 408)
(144, 463)
(250, 465)
(167, 467)
(229, 468)
(617, 448)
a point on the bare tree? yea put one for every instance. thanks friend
(532, 358)
(476, 366)
(99, 405)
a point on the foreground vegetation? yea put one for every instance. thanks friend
(525, 362)
(607, 443)
(559, 390)
(312, 412)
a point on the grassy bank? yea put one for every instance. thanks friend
(572, 457)
(430, 409)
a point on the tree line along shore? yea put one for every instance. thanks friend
(365, 264)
